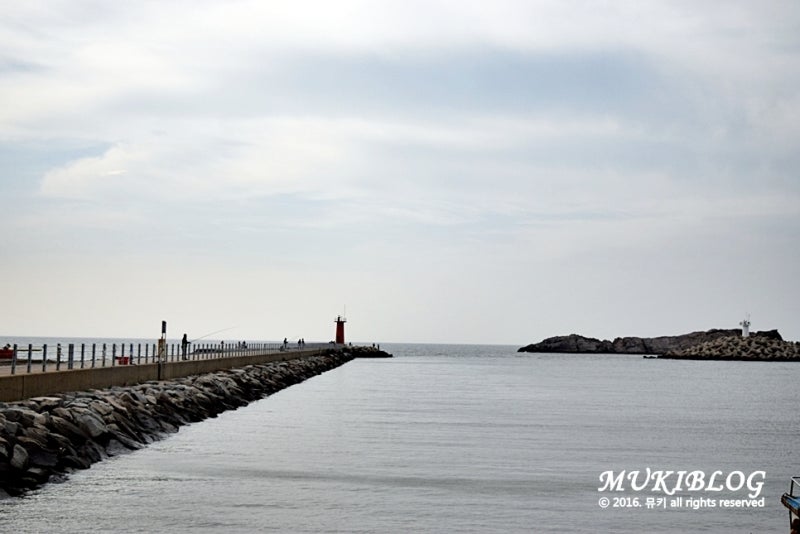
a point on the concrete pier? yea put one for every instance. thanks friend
(36, 384)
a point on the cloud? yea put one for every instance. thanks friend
(427, 144)
(270, 158)
(79, 177)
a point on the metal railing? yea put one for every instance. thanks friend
(34, 358)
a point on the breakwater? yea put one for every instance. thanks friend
(23, 385)
(44, 438)
(754, 348)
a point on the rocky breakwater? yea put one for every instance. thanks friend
(42, 439)
(368, 352)
(754, 348)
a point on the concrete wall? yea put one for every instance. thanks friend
(24, 386)
(195, 367)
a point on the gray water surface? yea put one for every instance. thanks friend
(448, 439)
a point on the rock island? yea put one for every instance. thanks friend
(714, 344)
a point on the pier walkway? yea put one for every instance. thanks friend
(37, 371)
(68, 356)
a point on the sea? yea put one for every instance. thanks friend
(461, 438)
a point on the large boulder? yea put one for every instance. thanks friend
(19, 458)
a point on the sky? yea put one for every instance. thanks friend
(439, 171)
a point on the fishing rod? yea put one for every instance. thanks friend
(212, 333)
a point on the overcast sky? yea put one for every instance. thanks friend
(450, 171)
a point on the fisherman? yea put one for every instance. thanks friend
(184, 345)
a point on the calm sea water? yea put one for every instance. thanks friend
(449, 439)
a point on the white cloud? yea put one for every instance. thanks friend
(270, 158)
(81, 178)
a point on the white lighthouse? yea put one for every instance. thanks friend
(745, 324)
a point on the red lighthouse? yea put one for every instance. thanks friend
(340, 330)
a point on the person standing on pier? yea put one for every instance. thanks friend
(184, 345)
